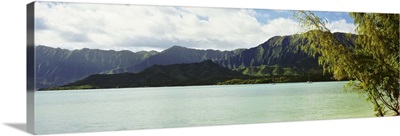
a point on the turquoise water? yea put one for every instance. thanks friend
(141, 108)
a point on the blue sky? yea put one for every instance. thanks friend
(271, 14)
(136, 28)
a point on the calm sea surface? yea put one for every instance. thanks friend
(140, 108)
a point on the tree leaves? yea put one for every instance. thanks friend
(373, 61)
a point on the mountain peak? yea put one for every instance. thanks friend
(177, 47)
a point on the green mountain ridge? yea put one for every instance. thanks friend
(178, 54)
(203, 73)
(278, 56)
(55, 66)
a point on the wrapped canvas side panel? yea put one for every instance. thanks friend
(30, 64)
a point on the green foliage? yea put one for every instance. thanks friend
(246, 81)
(373, 61)
(275, 79)
(204, 73)
(277, 70)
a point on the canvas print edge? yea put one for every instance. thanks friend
(28, 68)
(30, 51)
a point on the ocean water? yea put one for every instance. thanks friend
(166, 107)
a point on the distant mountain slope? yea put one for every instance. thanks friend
(203, 73)
(178, 54)
(55, 66)
(279, 53)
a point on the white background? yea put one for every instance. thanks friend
(13, 73)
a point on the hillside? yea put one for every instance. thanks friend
(203, 73)
(278, 56)
(178, 54)
(55, 66)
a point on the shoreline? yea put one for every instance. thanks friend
(149, 87)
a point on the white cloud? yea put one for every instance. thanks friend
(341, 26)
(129, 27)
(281, 26)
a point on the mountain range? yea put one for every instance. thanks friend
(203, 73)
(279, 55)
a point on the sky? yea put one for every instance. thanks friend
(138, 27)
